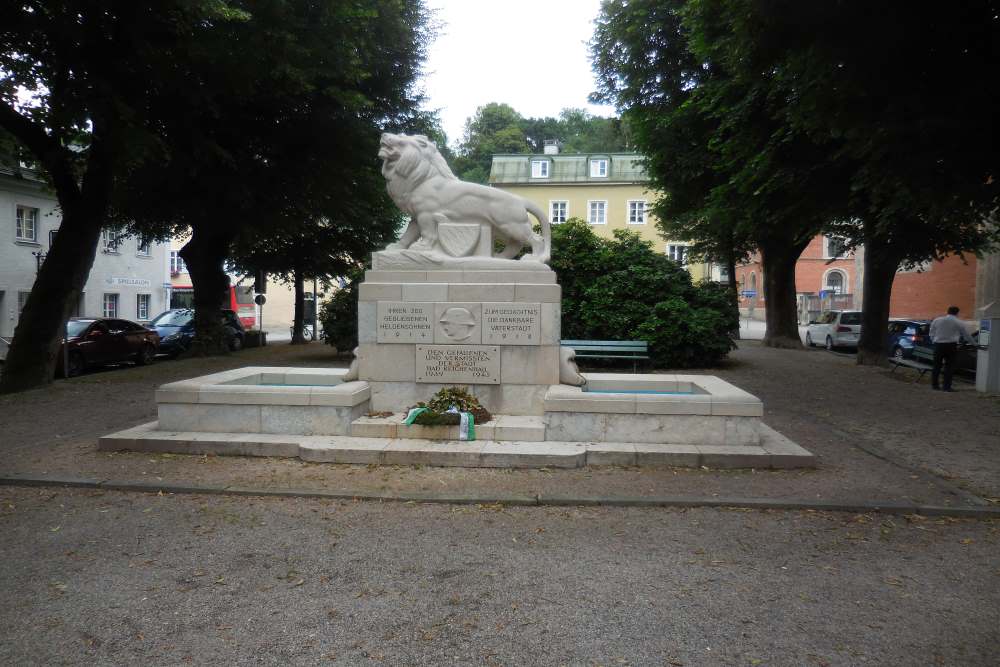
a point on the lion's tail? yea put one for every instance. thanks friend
(543, 220)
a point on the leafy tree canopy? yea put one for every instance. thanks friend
(498, 128)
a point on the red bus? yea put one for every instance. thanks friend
(240, 301)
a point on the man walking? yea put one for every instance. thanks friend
(946, 332)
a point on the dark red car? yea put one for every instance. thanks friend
(101, 341)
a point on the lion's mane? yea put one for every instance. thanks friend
(416, 159)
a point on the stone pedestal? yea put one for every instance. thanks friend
(495, 332)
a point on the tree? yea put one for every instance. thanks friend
(498, 128)
(495, 128)
(896, 98)
(322, 249)
(702, 112)
(283, 160)
(92, 72)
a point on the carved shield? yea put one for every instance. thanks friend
(458, 239)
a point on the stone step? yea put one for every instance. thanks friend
(523, 428)
(775, 450)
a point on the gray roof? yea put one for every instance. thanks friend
(568, 168)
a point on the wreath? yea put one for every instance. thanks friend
(446, 407)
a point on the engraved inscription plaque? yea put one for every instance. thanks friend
(408, 322)
(512, 323)
(466, 364)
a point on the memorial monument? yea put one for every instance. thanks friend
(465, 298)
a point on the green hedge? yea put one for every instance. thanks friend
(622, 289)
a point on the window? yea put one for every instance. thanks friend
(142, 306)
(26, 227)
(110, 307)
(558, 211)
(599, 168)
(677, 252)
(597, 212)
(539, 168)
(834, 282)
(52, 237)
(142, 247)
(176, 263)
(834, 247)
(637, 212)
(22, 298)
(110, 239)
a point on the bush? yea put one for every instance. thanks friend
(339, 314)
(622, 289)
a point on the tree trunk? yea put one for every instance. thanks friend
(781, 312)
(205, 254)
(298, 337)
(34, 352)
(734, 290)
(881, 262)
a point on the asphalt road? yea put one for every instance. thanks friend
(109, 578)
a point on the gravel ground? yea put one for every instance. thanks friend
(879, 438)
(94, 577)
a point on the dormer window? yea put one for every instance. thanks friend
(539, 168)
(599, 168)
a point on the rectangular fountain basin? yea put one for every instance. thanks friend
(675, 409)
(260, 399)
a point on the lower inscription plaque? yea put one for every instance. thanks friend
(466, 364)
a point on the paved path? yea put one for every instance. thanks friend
(99, 577)
(139, 579)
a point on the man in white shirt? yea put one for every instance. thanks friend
(946, 333)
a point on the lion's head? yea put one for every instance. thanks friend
(412, 158)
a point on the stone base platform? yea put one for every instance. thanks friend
(774, 451)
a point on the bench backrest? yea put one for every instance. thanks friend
(633, 346)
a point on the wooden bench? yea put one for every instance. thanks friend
(609, 349)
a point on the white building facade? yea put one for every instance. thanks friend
(130, 279)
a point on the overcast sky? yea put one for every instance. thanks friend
(531, 54)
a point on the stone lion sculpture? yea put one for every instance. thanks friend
(423, 186)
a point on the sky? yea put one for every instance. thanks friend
(530, 54)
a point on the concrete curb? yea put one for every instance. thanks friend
(512, 499)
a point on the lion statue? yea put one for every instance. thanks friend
(423, 186)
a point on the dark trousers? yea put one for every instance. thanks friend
(944, 353)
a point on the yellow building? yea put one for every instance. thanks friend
(607, 190)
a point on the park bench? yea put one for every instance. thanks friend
(920, 366)
(609, 349)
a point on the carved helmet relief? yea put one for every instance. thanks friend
(457, 323)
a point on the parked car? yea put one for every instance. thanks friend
(835, 328)
(965, 356)
(176, 329)
(903, 335)
(102, 341)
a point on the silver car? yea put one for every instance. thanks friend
(835, 328)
